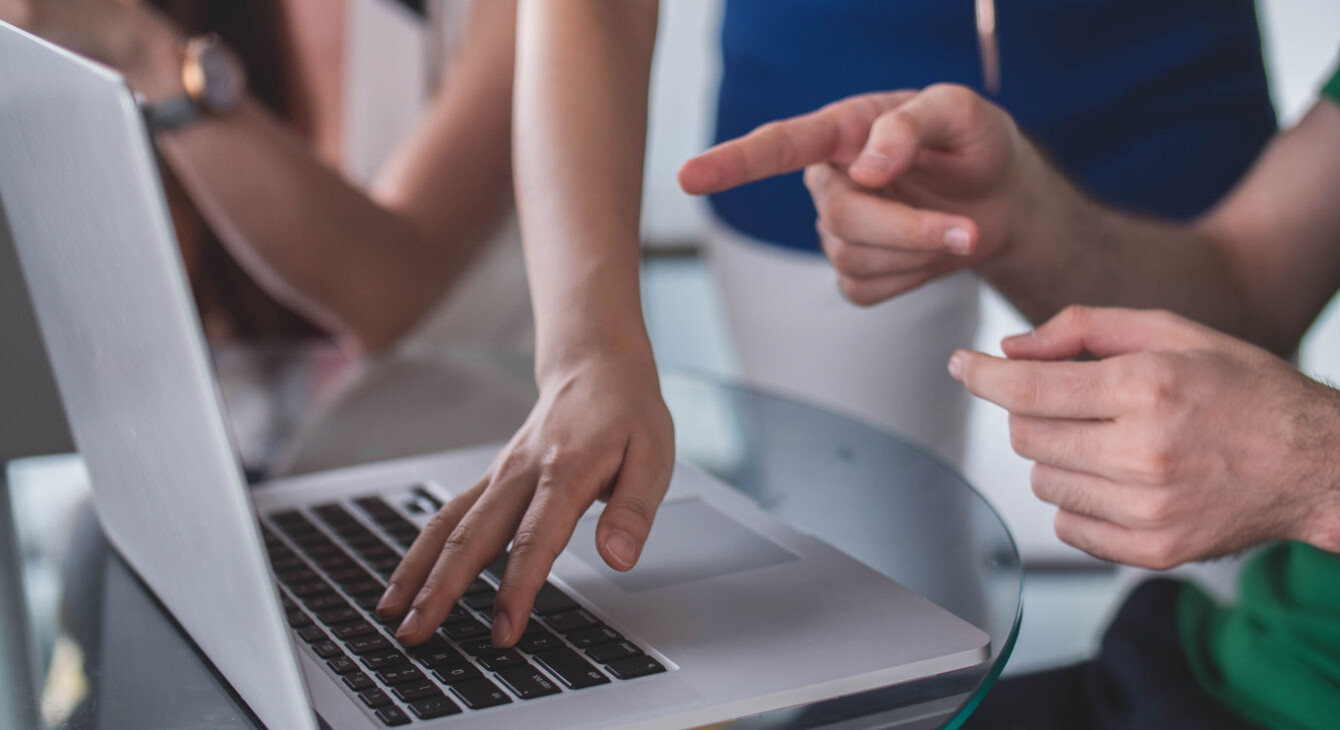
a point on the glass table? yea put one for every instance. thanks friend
(120, 661)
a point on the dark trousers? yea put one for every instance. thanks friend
(1140, 680)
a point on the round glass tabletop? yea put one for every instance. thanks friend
(877, 498)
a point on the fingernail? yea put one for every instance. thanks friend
(958, 240)
(622, 548)
(1021, 337)
(389, 598)
(956, 365)
(873, 162)
(502, 629)
(409, 625)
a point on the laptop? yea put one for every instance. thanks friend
(729, 613)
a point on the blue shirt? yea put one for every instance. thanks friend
(1153, 105)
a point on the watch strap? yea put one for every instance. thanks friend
(173, 113)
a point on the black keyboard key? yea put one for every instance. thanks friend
(370, 586)
(479, 586)
(482, 602)
(335, 562)
(439, 657)
(475, 647)
(567, 622)
(431, 707)
(527, 682)
(298, 619)
(465, 630)
(418, 690)
(326, 602)
(458, 614)
(384, 660)
(380, 551)
(392, 716)
(368, 601)
(333, 514)
(453, 673)
(399, 675)
(300, 575)
(479, 693)
(634, 667)
(385, 566)
(286, 564)
(375, 507)
(570, 668)
(349, 575)
(336, 616)
(364, 645)
(613, 652)
(551, 600)
(311, 634)
(374, 698)
(342, 665)
(345, 632)
(538, 641)
(497, 567)
(500, 659)
(326, 649)
(587, 638)
(311, 589)
(358, 681)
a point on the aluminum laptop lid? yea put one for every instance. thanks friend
(89, 220)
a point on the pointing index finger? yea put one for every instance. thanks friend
(835, 133)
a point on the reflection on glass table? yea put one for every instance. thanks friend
(120, 661)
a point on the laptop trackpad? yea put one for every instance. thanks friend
(690, 541)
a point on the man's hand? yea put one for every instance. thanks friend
(1178, 444)
(909, 185)
(597, 432)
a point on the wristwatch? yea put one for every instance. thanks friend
(214, 84)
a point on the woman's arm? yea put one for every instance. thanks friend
(364, 264)
(368, 264)
(600, 428)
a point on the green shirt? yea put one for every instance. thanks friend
(1275, 657)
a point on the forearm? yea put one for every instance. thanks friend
(1065, 248)
(365, 264)
(581, 117)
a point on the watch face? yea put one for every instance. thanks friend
(219, 81)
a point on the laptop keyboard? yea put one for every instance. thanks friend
(332, 562)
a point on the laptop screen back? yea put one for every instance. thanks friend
(88, 218)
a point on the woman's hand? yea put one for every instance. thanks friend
(1179, 444)
(600, 430)
(909, 185)
(130, 37)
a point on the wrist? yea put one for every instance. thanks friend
(152, 61)
(625, 346)
(1319, 522)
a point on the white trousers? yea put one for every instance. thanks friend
(796, 335)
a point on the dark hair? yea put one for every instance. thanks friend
(226, 295)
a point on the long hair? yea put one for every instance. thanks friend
(230, 301)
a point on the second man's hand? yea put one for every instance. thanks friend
(600, 430)
(909, 185)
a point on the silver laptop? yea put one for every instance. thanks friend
(728, 614)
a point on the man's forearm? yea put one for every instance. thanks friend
(583, 69)
(1065, 248)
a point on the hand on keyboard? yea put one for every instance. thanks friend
(602, 431)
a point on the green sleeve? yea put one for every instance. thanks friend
(1332, 88)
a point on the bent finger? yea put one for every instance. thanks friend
(418, 562)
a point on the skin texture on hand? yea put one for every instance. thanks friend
(909, 186)
(1178, 444)
(596, 433)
